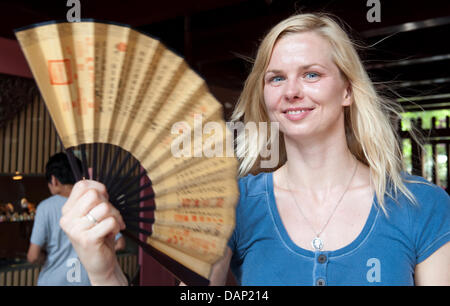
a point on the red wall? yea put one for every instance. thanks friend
(12, 60)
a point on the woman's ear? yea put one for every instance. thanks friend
(348, 98)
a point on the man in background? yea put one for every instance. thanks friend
(49, 244)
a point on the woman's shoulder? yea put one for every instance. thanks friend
(429, 220)
(430, 200)
(424, 190)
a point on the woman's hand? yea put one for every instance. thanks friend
(91, 223)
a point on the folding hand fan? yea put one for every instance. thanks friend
(109, 86)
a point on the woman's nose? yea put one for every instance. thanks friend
(294, 90)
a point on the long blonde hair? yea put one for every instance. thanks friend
(369, 120)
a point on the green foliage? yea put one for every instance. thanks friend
(426, 117)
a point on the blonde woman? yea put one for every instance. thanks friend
(338, 209)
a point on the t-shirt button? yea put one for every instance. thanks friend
(320, 282)
(322, 258)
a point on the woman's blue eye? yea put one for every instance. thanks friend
(277, 79)
(311, 75)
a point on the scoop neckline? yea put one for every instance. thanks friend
(352, 246)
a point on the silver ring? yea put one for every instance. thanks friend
(92, 219)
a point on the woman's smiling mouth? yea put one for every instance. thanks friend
(298, 113)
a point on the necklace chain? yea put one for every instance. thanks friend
(317, 242)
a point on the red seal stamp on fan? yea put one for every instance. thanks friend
(60, 72)
(121, 47)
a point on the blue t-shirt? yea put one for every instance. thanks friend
(384, 253)
(62, 266)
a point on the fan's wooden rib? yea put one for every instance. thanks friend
(84, 162)
(112, 166)
(122, 203)
(116, 175)
(119, 181)
(129, 226)
(141, 199)
(101, 177)
(131, 183)
(94, 161)
(138, 219)
(73, 164)
(130, 210)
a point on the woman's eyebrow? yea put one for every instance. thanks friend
(310, 65)
(304, 67)
(274, 71)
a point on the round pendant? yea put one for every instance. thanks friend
(317, 244)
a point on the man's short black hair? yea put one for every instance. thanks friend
(59, 166)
